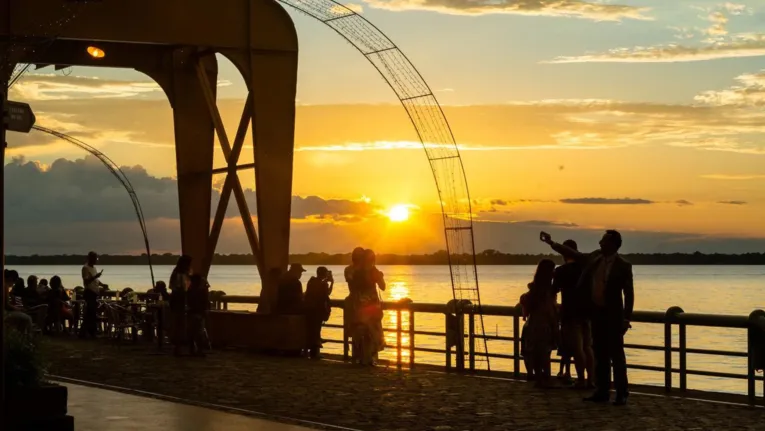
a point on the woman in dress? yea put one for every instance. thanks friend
(180, 280)
(542, 323)
(350, 303)
(368, 329)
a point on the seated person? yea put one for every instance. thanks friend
(13, 314)
(290, 296)
(58, 307)
(161, 289)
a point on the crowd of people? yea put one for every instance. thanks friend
(597, 299)
(588, 326)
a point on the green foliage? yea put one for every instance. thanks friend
(24, 363)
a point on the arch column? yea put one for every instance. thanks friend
(273, 84)
(194, 145)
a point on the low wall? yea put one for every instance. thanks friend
(256, 331)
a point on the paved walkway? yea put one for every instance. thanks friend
(99, 410)
(379, 399)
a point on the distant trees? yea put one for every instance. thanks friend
(486, 257)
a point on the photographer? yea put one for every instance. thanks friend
(317, 307)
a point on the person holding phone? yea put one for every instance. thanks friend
(607, 281)
(91, 280)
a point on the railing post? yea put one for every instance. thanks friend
(471, 339)
(669, 317)
(398, 337)
(517, 341)
(447, 343)
(460, 340)
(755, 353)
(411, 338)
(683, 357)
(346, 345)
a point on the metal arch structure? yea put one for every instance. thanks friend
(434, 132)
(121, 177)
(174, 42)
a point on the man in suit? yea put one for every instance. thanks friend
(608, 278)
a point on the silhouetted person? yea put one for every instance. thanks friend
(290, 299)
(198, 304)
(542, 323)
(91, 280)
(14, 316)
(58, 309)
(180, 280)
(160, 289)
(607, 277)
(576, 336)
(317, 307)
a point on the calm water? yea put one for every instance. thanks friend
(697, 289)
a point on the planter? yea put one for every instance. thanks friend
(37, 408)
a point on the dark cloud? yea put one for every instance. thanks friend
(544, 223)
(314, 206)
(501, 202)
(732, 202)
(606, 201)
(84, 190)
(71, 205)
(683, 202)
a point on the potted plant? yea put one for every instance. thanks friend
(31, 402)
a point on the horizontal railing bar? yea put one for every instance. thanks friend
(712, 352)
(689, 319)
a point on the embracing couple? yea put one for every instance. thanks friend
(363, 309)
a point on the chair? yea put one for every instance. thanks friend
(38, 313)
(120, 320)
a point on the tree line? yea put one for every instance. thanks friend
(486, 257)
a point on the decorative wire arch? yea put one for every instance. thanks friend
(121, 177)
(434, 132)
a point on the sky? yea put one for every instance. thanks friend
(571, 116)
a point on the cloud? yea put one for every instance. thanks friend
(85, 191)
(36, 86)
(68, 206)
(606, 201)
(738, 46)
(719, 24)
(592, 10)
(736, 177)
(725, 119)
(683, 203)
(749, 92)
(732, 202)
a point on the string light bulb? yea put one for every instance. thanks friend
(96, 52)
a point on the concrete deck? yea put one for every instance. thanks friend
(101, 410)
(377, 399)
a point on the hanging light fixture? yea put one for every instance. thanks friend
(96, 52)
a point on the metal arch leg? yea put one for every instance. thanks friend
(194, 143)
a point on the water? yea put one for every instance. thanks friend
(697, 289)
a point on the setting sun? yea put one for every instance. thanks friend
(398, 213)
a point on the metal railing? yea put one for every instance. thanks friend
(459, 324)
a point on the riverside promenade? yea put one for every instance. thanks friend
(301, 391)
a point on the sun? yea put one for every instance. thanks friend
(398, 213)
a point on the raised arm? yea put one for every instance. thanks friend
(565, 251)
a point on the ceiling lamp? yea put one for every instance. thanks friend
(96, 52)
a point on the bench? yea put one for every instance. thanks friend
(263, 332)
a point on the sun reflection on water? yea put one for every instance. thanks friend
(396, 291)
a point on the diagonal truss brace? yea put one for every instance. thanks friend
(231, 183)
